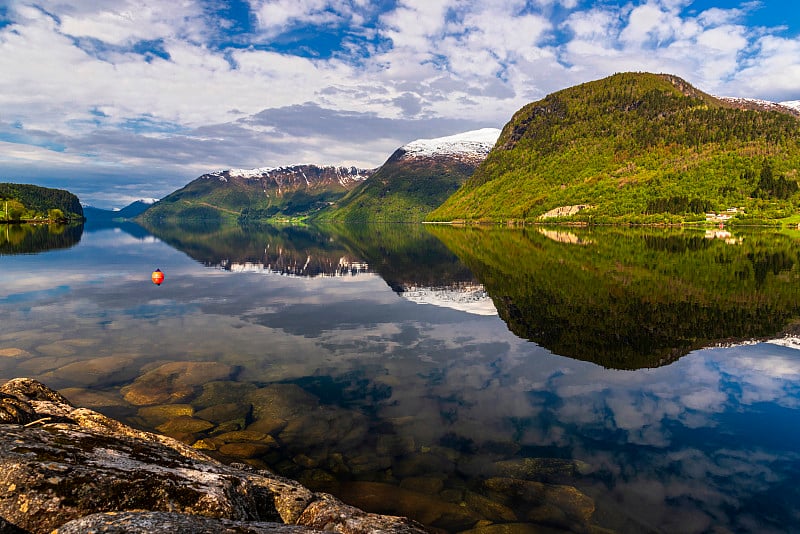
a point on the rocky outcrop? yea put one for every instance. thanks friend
(75, 470)
(564, 211)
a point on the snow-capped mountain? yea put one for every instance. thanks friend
(793, 104)
(469, 146)
(792, 107)
(296, 175)
(416, 178)
(256, 194)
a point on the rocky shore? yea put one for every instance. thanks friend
(67, 470)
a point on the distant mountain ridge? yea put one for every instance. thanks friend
(416, 178)
(793, 104)
(637, 147)
(255, 194)
(293, 176)
(130, 211)
(792, 107)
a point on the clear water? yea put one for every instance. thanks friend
(469, 379)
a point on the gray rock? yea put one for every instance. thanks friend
(149, 522)
(59, 463)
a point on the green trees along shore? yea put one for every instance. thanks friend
(31, 203)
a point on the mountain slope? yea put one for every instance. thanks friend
(417, 178)
(635, 147)
(255, 194)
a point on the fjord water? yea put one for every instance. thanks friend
(537, 378)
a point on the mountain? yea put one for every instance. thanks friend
(636, 147)
(417, 178)
(21, 202)
(255, 194)
(793, 104)
(762, 105)
(128, 212)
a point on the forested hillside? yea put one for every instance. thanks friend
(636, 147)
(20, 202)
(401, 191)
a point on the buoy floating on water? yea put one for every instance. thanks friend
(157, 277)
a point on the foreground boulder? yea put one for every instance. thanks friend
(60, 464)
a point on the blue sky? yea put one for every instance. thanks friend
(122, 99)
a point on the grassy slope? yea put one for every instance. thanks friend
(621, 142)
(401, 191)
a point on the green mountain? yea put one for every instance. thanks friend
(256, 194)
(417, 178)
(23, 202)
(636, 147)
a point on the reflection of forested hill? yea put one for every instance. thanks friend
(412, 261)
(404, 255)
(631, 299)
(301, 251)
(30, 239)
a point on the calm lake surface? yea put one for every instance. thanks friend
(549, 380)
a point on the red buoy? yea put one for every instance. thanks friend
(157, 277)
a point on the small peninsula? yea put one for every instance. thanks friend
(20, 203)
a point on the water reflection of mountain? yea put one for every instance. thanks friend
(36, 238)
(290, 250)
(628, 299)
(130, 228)
(416, 265)
(405, 255)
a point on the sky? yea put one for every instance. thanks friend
(118, 100)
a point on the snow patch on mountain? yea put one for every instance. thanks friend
(344, 175)
(793, 104)
(476, 143)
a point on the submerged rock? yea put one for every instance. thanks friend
(59, 464)
(223, 392)
(174, 382)
(551, 504)
(542, 469)
(281, 401)
(424, 508)
(13, 352)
